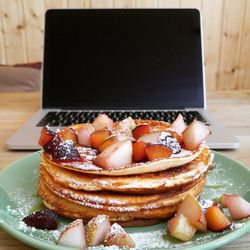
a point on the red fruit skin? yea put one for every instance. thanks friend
(157, 151)
(139, 153)
(98, 137)
(45, 136)
(140, 130)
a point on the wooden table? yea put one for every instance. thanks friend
(232, 108)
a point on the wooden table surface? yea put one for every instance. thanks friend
(232, 108)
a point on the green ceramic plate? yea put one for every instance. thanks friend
(18, 195)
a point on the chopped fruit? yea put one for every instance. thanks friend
(52, 146)
(111, 140)
(140, 130)
(195, 134)
(178, 124)
(176, 135)
(44, 219)
(205, 204)
(46, 135)
(98, 137)
(96, 230)
(157, 151)
(139, 153)
(67, 134)
(169, 141)
(118, 237)
(216, 219)
(152, 138)
(73, 235)
(115, 156)
(84, 133)
(238, 207)
(191, 208)
(181, 228)
(125, 126)
(102, 121)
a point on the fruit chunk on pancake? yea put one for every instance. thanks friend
(141, 184)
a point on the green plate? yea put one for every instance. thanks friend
(18, 194)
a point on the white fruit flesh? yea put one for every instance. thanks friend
(152, 138)
(83, 135)
(178, 124)
(102, 121)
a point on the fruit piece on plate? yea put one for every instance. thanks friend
(67, 134)
(52, 145)
(157, 151)
(117, 236)
(125, 126)
(111, 140)
(194, 135)
(96, 230)
(175, 134)
(73, 235)
(102, 121)
(140, 130)
(238, 207)
(178, 124)
(216, 219)
(98, 137)
(181, 228)
(191, 208)
(46, 136)
(152, 138)
(139, 152)
(115, 156)
(44, 219)
(83, 134)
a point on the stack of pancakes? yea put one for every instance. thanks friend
(137, 195)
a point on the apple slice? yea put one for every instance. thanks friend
(67, 133)
(178, 124)
(195, 134)
(139, 153)
(181, 228)
(83, 134)
(98, 137)
(191, 208)
(96, 230)
(102, 121)
(157, 151)
(115, 156)
(216, 219)
(118, 237)
(140, 130)
(238, 207)
(152, 138)
(73, 235)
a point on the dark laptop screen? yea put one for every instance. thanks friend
(123, 59)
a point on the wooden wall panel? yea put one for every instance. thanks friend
(226, 26)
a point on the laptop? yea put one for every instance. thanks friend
(143, 63)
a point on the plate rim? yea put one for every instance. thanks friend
(38, 243)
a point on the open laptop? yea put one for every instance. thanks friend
(144, 63)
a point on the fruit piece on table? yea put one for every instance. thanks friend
(98, 137)
(102, 121)
(152, 138)
(178, 124)
(139, 152)
(67, 134)
(73, 235)
(181, 228)
(140, 130)
(96, 230)
(216, 219)
(238, 207)
(191, 208)
(157, 151)
(115, 156)
(194, 135)
(46, 136)
(83, 134)
(44, 219)
(118, 237)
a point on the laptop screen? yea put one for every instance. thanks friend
(123, 59)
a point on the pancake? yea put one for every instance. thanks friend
(119, 207)
(148, 183)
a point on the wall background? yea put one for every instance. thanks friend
(226, 26)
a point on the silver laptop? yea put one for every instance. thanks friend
(144, 63)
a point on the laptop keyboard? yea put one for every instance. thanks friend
(67, 118)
